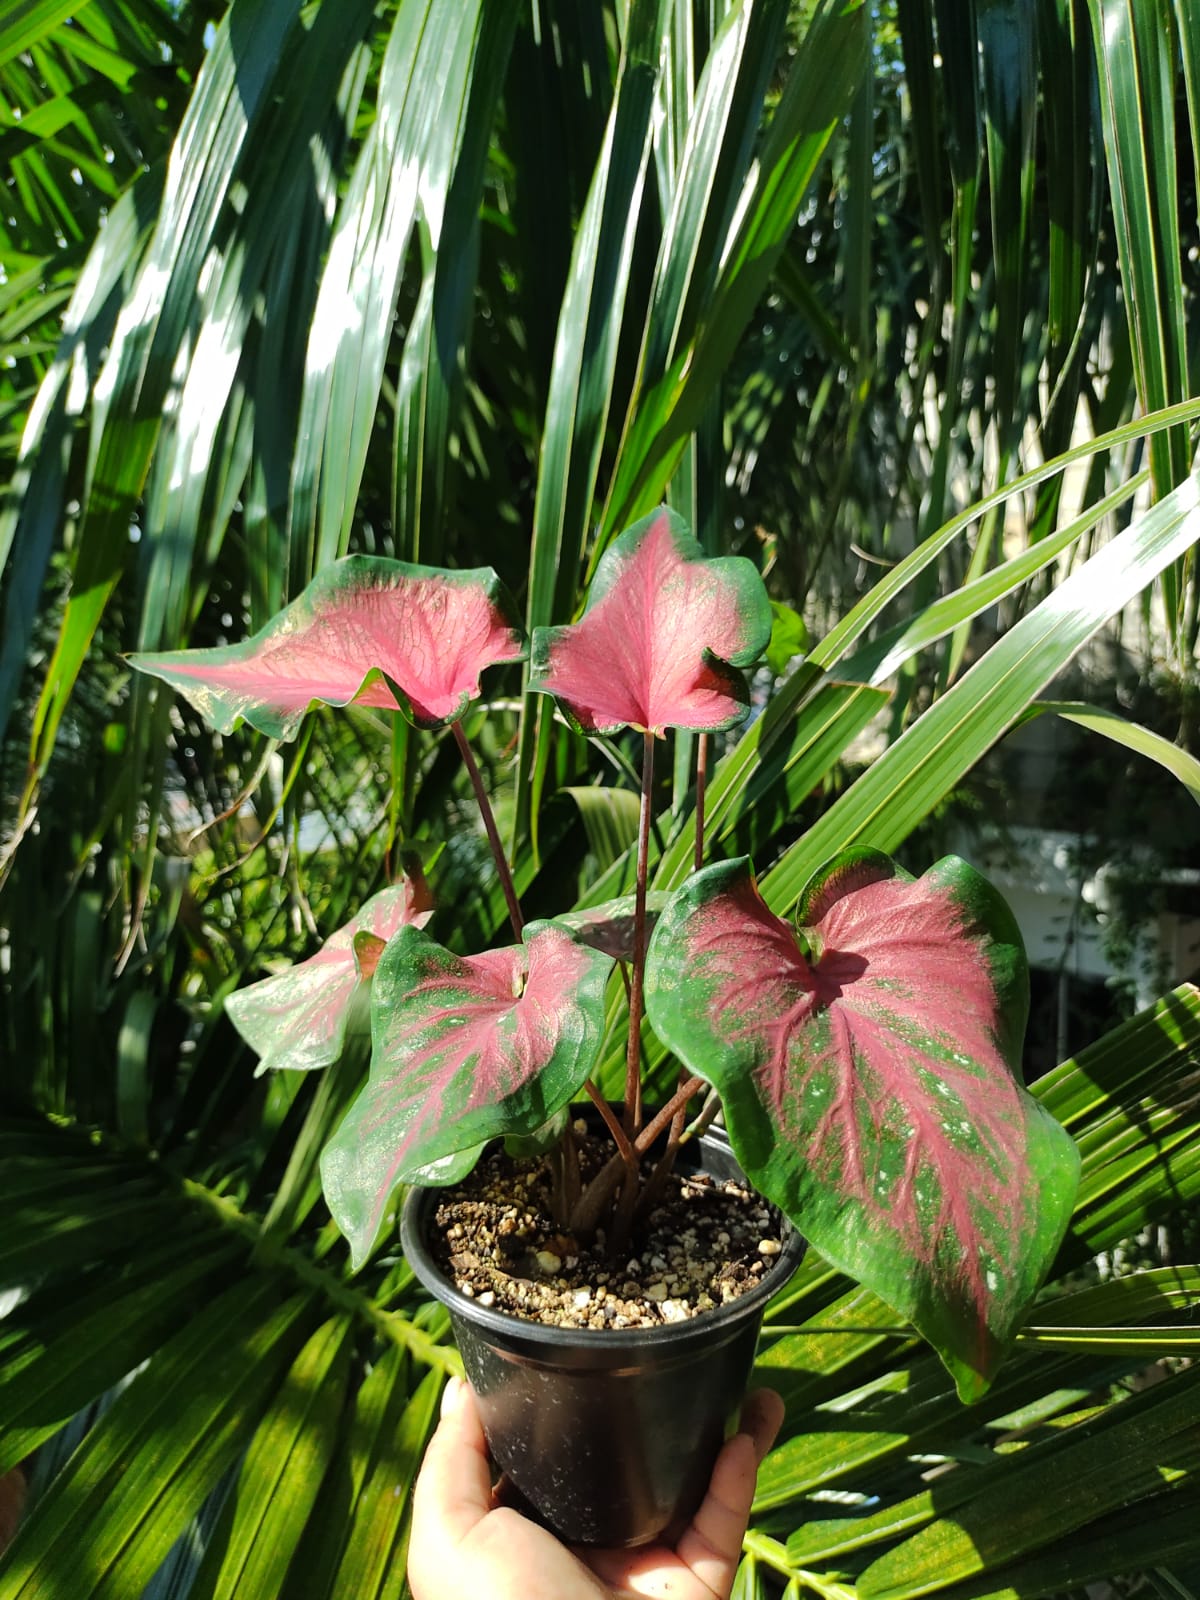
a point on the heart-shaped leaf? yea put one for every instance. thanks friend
(868, 1070)
(663, 635)
(298, 1018)
(464, 1049)
(366, 629)
(610, 925)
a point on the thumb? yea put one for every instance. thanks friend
(453, 1491)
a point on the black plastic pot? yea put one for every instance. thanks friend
(607, 1437)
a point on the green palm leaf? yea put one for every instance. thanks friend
(480, 287)
(947, 741)
(135, 1482)
(281, 1476)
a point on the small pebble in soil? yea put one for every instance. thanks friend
(703, 1245)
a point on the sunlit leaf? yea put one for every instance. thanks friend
(609, 926)
(662, 637)
(464, 1049)
(1143, 741)
(298, 1018)
(868, 1067)
(1126, 1452)
(366, 629)
(281, 1475)
(789, 636)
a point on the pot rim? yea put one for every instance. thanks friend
(418, 1201)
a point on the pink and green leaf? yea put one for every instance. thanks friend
(446, 1170)
(868, 1064)
(609, 926)
(464, 1049)
(298, 1019)
(662, 638)
(522, 1146)
(366, 630)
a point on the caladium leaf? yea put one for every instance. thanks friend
(298, 1019)
(610, 925)
(661, 639)
(868, 1066)
(464, 1049)
(521, 1146)
(447, 1170)
(366, 629)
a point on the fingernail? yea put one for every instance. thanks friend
(761, 1420)
(452, 1396)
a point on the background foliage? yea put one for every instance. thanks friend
(481, 284)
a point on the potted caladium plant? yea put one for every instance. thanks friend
(865, 1056)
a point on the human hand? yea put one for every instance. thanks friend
(463, 1545)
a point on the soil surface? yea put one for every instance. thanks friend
(706, 1243)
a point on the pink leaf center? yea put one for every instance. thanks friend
(880, 1062)
(430, 633)
(473, 1033)
(651, 652)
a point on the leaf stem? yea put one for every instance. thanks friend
(620, 1137)
(666, 1162)
(701, 787)
(704, 1117)
(570, 1165)
(489, 825)
(633, 1053)
(773, 1554)
(391, 1325)
(662, 1171)
(663, 1116)
(587, 1213)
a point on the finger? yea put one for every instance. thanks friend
(455, 1481)
(711, 1548)
(453, 1491)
